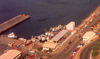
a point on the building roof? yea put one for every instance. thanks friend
(59, 35)
(10, 54)
(88, 35)
(50, 44)
(70, 26)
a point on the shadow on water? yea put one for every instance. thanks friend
(44, 19)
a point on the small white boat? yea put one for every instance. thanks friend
(12, 35)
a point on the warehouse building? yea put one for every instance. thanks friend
(88, 36)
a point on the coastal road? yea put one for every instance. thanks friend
(86, 51)
(65, 54)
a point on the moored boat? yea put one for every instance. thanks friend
(12, 35)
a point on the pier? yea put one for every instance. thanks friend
(13, 21)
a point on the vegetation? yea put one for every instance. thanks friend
(95, 49)
(50, 50)
(49, 56)
(98, 43)
(95, 53)
(24, 55)
(40, 48)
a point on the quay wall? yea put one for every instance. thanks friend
(12, 22)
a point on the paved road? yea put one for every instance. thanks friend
(86, 50)
(67, 51)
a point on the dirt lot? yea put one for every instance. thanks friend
(4, 40)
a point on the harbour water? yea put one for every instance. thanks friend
(45, 14)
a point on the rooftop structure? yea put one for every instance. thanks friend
(50, 44)
(70, 26)
(88, 36)
(59, 35)
(11, 54)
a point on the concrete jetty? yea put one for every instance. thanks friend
(13, 21)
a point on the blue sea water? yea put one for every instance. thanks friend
(45, 14)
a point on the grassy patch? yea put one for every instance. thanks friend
(40, 48)
(95, 49)
(95, 53)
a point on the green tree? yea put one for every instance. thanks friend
(95, 53)
(95, 47)
(50, 50)
(40, 48)
(98, 43)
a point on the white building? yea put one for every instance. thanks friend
(70, 26)
(88, 36)
(59, 35)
